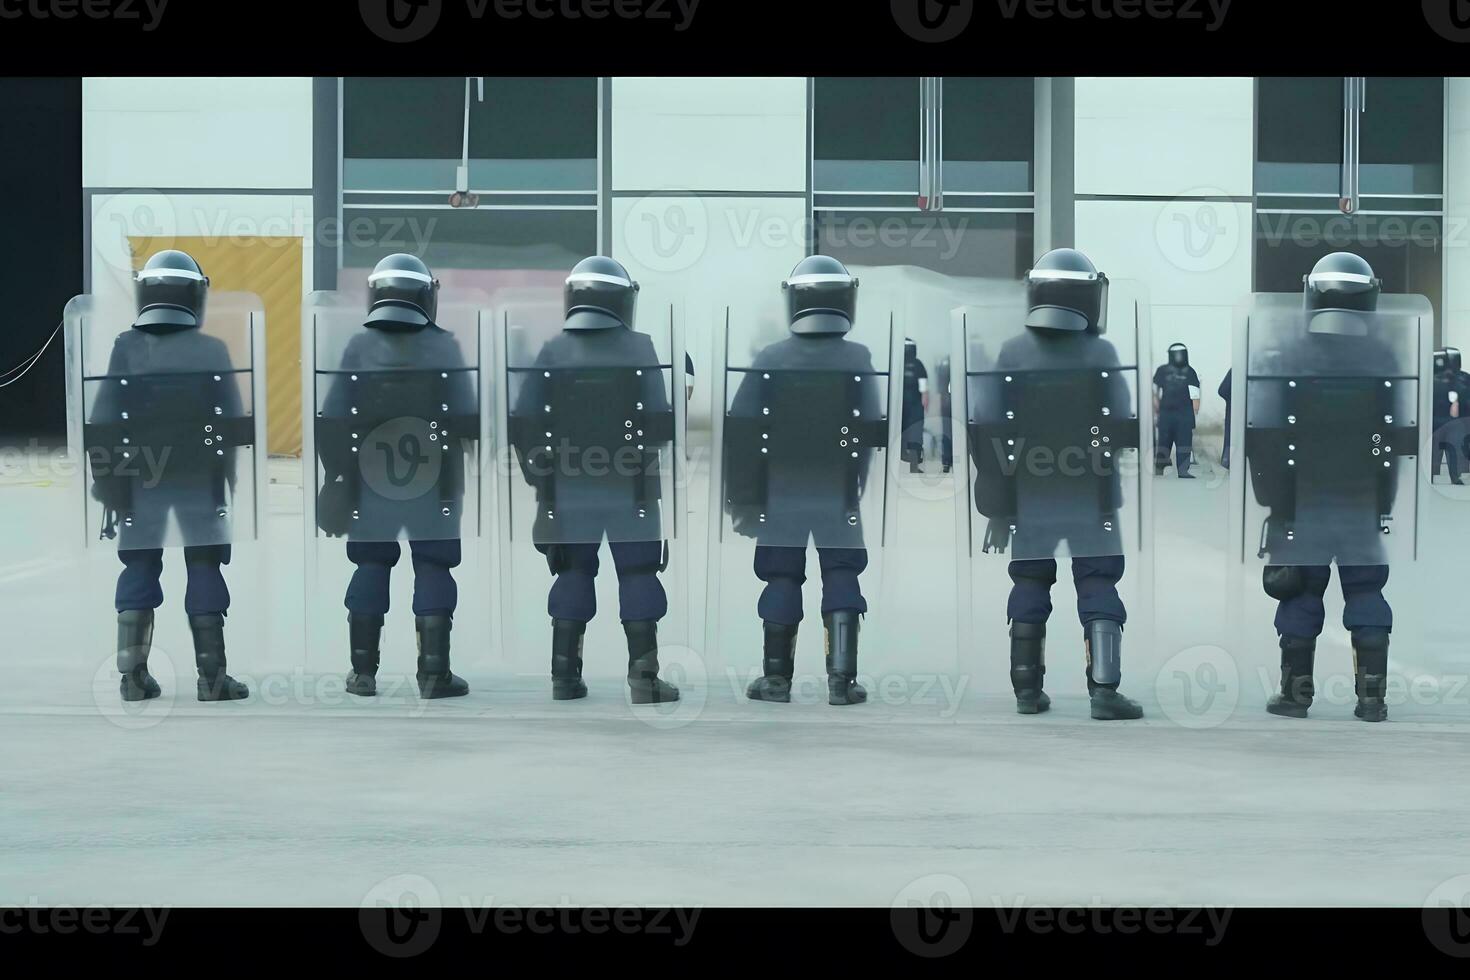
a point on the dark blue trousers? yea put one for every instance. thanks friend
(1362, 591)
(434, 591)
(573, 595)
(1445, 450)
(784, 572)
(1096, 580)
(1176, 434)
(138, 586)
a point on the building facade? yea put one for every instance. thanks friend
(1205, 189)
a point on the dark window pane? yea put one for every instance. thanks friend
(470, 239)
(528, 133)
(1403, 136)
(1299, 135)
(989, 134)
(988, 245)
(402, 118)
(535, 118)
(866, 134)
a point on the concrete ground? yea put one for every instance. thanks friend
(303, 796)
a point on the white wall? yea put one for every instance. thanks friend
(697, 164)
(1190, 142)
(146, 139)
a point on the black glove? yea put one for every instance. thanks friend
(334, 509)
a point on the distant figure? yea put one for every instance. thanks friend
(1176, 406)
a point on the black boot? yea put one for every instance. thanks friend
(1104, 639)
(1298, 658)
(209, 657)
(842, 658)
(778, 666)
(566, 660)
(643, 683)
(434, 677)
(364, 633)
(1370, 651)
(1028, 667)
(134, 641)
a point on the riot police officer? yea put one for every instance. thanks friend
(1176, 406)
(915, 405)
(801, 433)
(167, 389)
(1449, 406)
(399, 386)
(946, 421)
(1224, 393)
(592, 423)
(1056, 387)
(1328, 425)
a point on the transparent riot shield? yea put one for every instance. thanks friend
(1326, 420)
(167, 436)
(1054, 434)
(1055, 426)
(590, 427)
(391, 449)
(801, 442)
(1323, 421)
(171, 425)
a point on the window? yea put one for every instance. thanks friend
(529, 149)
(1387, 155)
(930, 172)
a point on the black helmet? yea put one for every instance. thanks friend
(1066, 292)
(171, 292)
(1447, 361)
(821, 296)
(1179, 355)
(600, 294)
(1339, 291)
(402, 294)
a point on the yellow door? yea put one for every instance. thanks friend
(271, 269)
